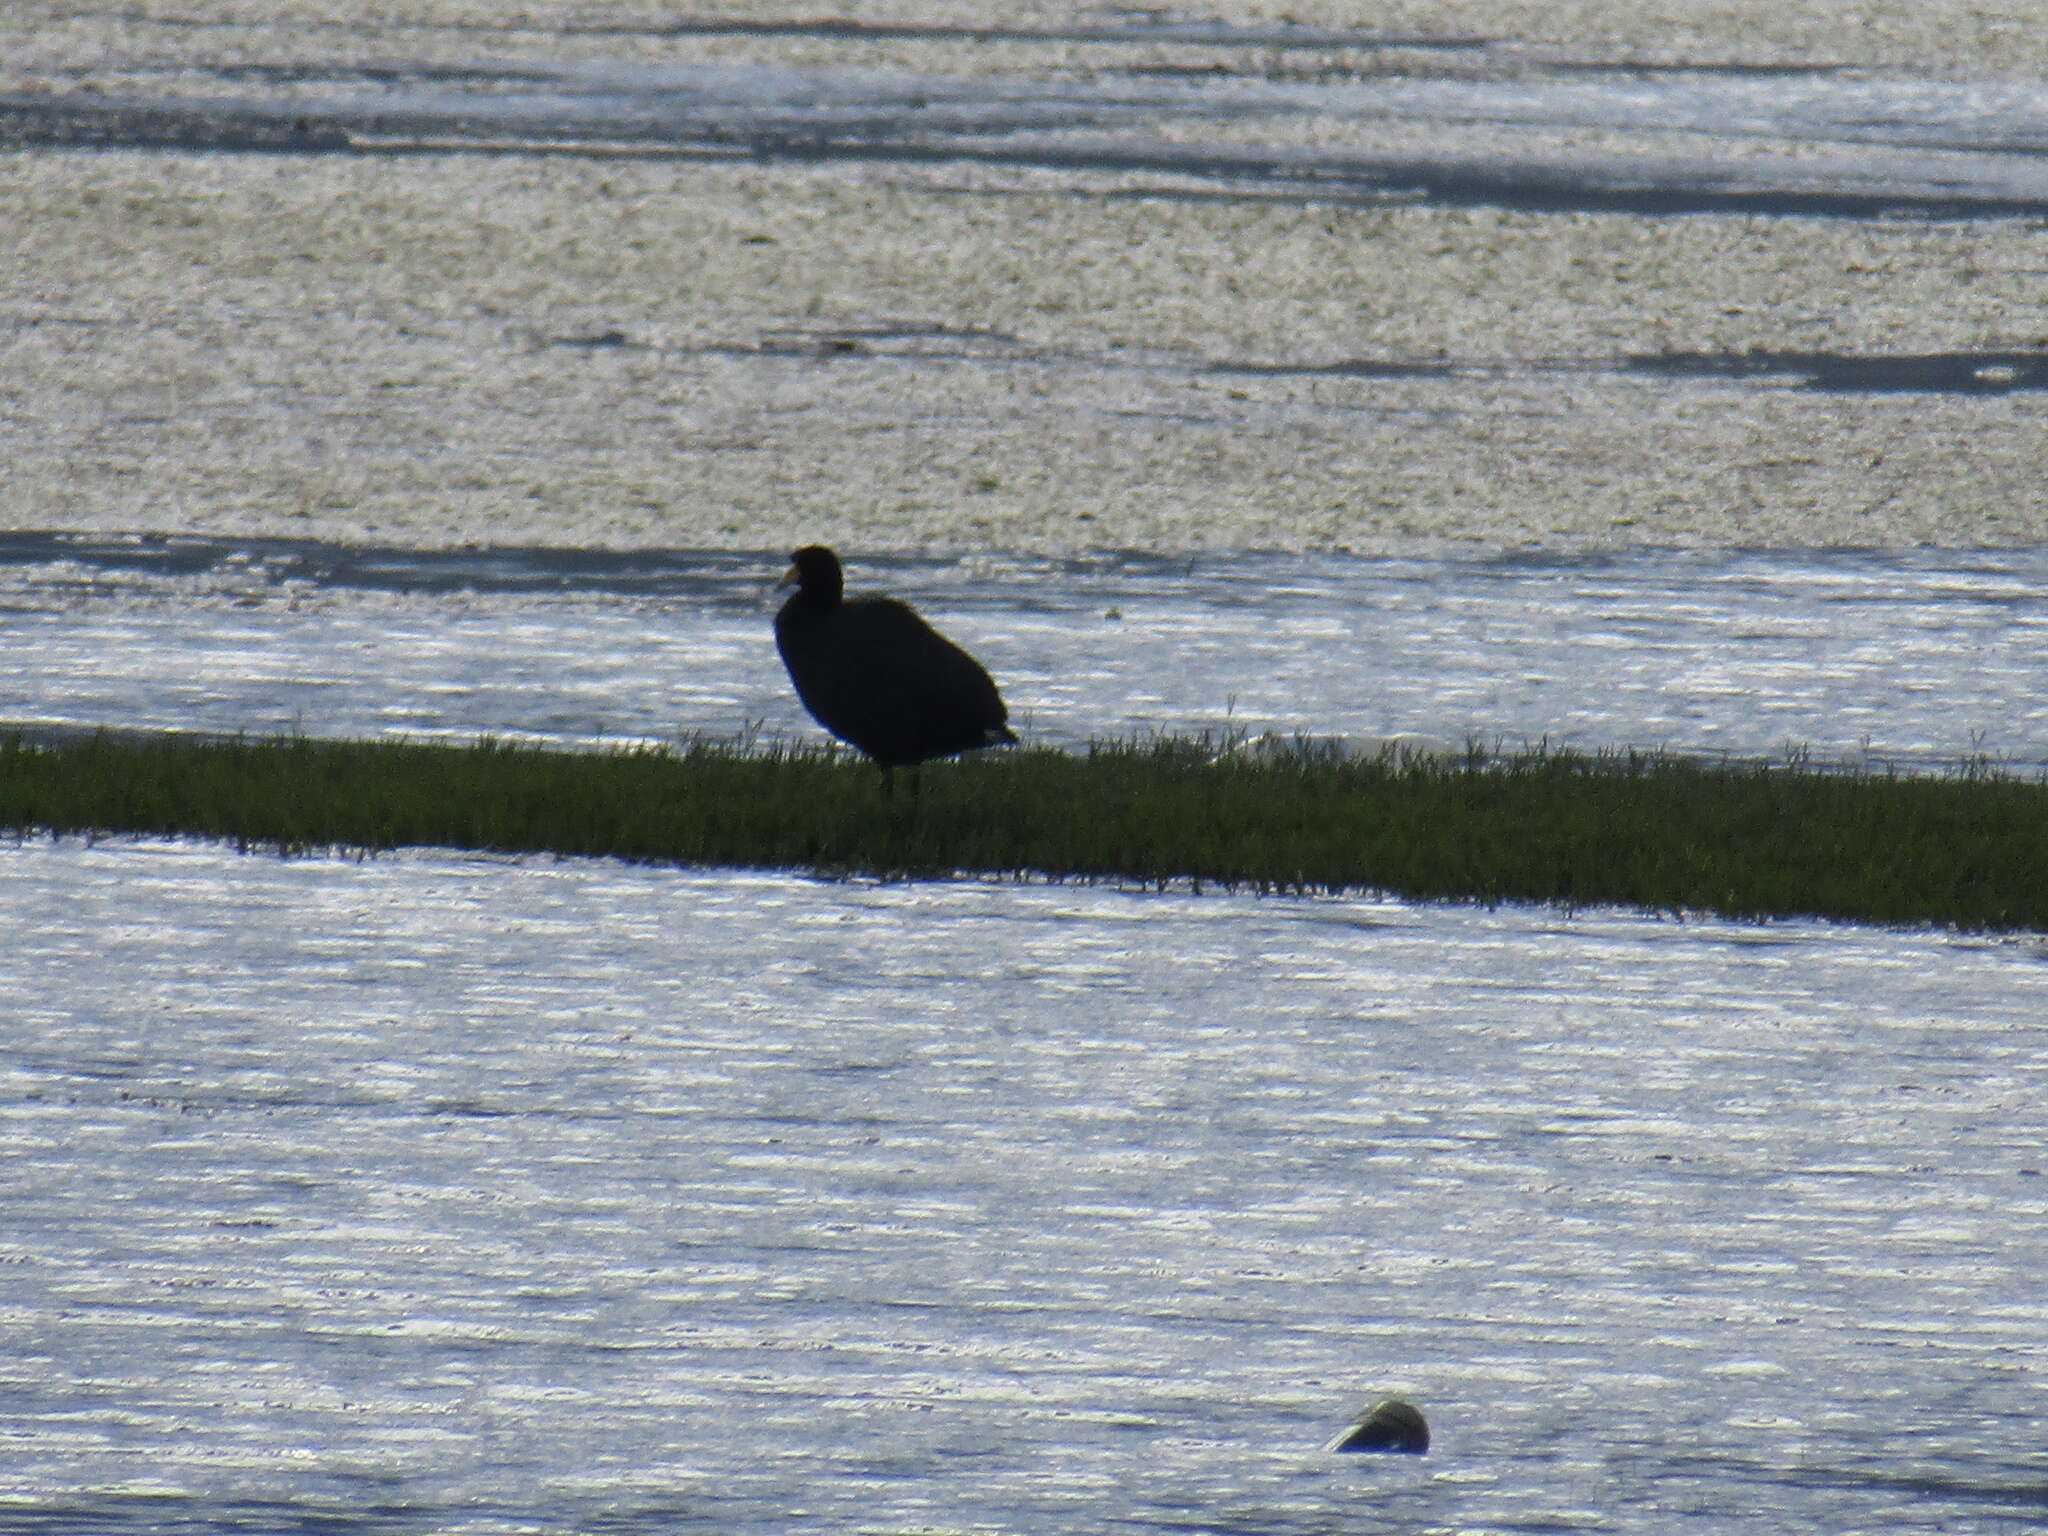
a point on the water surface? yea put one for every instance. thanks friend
(1917, 661)
(451, 1194)
(434, 1193)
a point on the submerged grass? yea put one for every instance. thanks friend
(1745, 840)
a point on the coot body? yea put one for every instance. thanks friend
(877, 676)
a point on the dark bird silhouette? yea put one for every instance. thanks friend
(1389, 1426)
(876, 675)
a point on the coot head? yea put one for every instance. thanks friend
(814, 571)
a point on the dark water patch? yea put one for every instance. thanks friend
(1916, 1486)
(100, 562)
(1148, 31)
(1727, 69)
(706, 575)
(1962, 373)
(599, 341)
(397, 74)
(1625, 186)
(1168, 192)
(898, 118)
(1143, 28)
(1352, 71)
(1643, 188)
(40, 122)
(899, 339)
(916, 330)
(1347, 368)
(906, 342)
(2019, 1494)
(176, 1512)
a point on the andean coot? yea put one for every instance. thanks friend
(876, 675)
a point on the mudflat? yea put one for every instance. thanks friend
(1663, 275)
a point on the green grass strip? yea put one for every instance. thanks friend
(1747, 840)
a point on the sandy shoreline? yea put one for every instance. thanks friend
(696, 350)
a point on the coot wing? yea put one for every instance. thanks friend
(877, 675)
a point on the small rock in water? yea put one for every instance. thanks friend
(1392, 1426)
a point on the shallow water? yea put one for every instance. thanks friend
(444, 1193)
(439, 1193)
(1919, 661)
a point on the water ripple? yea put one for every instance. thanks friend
(1915, 661)
(368, 1223)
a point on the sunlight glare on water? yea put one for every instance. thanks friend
(1916, 661)
(445, 1193)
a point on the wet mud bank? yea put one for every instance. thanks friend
(910, 280)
